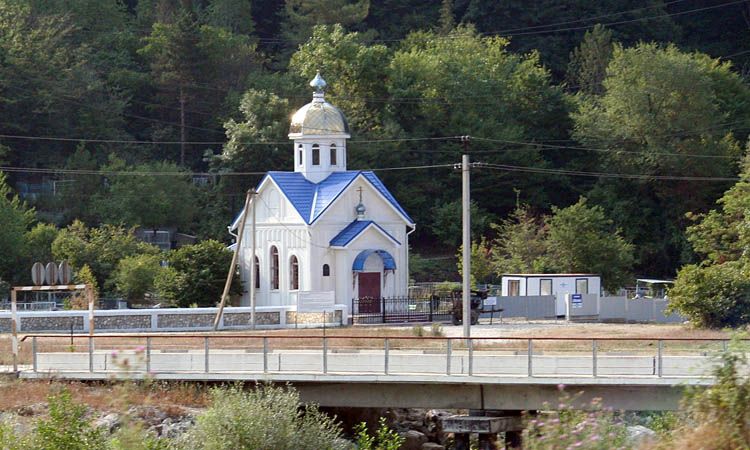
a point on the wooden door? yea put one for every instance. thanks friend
(369, 288)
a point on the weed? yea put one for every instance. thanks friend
(384, 438)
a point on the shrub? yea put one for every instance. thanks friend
(417, 330)
(717, 417)
(266, 417)
(597, 429)
(713, 296)
(384, 438)
(67, 427)
(436, 329)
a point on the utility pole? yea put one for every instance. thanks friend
(253, 267)
(233, 266)
(466, 207)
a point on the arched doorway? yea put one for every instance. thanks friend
(370, 267)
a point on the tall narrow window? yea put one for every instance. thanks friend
(316, 155)
(333, 154)
(326, 270)
(514, 288)
(293, 273)
(300, 159)
(274, 268)
(257, 273)
(582, 286)
(545, 286)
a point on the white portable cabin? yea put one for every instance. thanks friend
(557, 284)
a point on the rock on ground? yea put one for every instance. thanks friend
(638, 434)
(413, 440)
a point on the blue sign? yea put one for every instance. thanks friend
(576, 300)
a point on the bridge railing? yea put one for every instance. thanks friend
(144, 354)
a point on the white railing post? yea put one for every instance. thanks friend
(265, 354)
(530, 352)
(594, 351)
(325, 355)
(659, 352)
(448, 354)
(206, 353)
(470, 345)
(386, 348)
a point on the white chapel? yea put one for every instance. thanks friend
(323, 229)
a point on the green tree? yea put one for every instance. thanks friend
(520, 246)
(714, 296)
(588, 62)
(15, 220)
(39, 243)
(447, 222)
(581, 238)
(234, 15)
(196, 275)
(100, 248)
(51, 86)
(301, 16)
(354, 72)
(723, 234)
(663, 112)
(265, 119)
(134, 276)
(482, 270)
(136, 197)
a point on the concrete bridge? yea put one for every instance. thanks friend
(506, 373)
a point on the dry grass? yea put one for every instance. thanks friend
(116, 396)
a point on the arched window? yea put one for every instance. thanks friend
(326, 270)
(300, 159)
(293, 273)
(333, 154)
(257, 273)
(274, 267)
(316, 155)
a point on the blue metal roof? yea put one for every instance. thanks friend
(311, 200)
(353, 230)
(359, 261)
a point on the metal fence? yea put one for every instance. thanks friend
(518, 356)
(401, 309)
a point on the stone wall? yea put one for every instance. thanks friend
(51, 323)
(172, 319)
(133, 322)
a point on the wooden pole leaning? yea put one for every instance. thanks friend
(233, 265)
(14, 328)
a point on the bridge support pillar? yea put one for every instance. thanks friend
(486, 424)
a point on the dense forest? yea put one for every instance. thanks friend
(162, 113)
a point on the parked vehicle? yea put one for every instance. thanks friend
(476, 300)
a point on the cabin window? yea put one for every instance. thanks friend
(545, 286)
(333, 154)
(316, 155)
(293, 273)
(582, 286)
(274, 267)
(257, 273)
(514, 288)
(326, 270)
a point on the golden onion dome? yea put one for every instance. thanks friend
(318, 117)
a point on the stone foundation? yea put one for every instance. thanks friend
(244, 319)
(122, 322)
(51, 323)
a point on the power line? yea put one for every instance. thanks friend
(137, 142)
(589, 149)
(182, 174)
(511, 168)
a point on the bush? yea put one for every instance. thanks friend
(266, 417)
(717, 417)
(598, 429)
(67, 427)
(384, 438)
(417, 330)
(713, 296)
